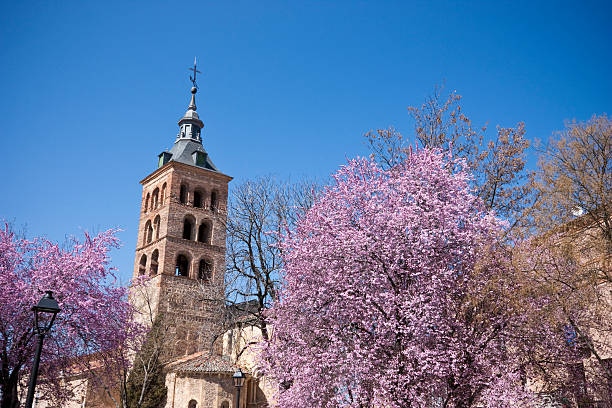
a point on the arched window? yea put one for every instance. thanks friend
(163, 194)
(192, 404)
(183, 194)
(197, 199)
(205, 271)
(182, 266)
(148, 233)
(143, 265)
(146, 203)
(155, 199)
(204, 232)
(156, 223)
(154, 260)
(213, 201)
(225, 404)
(188, 224)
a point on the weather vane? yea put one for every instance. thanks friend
(195, 72)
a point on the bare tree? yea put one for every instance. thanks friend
(572, 220)
(260, 211)
(575, 187)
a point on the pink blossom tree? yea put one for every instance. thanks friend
(394, 295)
(95, 317)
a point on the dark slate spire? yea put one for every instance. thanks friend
(190, 124)
(188, 147)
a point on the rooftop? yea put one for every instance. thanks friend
(203, 362)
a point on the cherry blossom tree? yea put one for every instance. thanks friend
(394, 294)
(92, 330)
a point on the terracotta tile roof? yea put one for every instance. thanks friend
(203, 362)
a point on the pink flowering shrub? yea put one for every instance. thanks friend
(95, 318)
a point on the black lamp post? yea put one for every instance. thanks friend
(44, 316)
(238, 378)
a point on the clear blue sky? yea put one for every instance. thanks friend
(90, 92)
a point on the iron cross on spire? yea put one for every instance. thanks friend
(195, 72)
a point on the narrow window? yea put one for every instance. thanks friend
(154, 260)
(213, 201)
(163, 194)
(146, 203)
(205, 271)
(155, 198)
(192, 404)
(187, 228)
(183, 194)
(143, 265)
(204, 233)
(149, 232)
(197, 199)
(156, 223)
(182, 266)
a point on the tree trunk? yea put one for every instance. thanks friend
(10, 396)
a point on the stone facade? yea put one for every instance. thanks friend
(203, 379)
(583, 240)
(241, 344)
(206, 390)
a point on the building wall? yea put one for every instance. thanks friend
(583, 240)
(85, 393)
(208, 391)
(241, 344)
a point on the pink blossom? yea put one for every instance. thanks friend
(95, 318)
(378, 305)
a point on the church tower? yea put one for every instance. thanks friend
(181, 240)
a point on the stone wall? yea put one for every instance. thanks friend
(208, 391)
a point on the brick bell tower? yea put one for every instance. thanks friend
(181, 240)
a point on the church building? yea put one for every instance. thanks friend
(180, 251)
(181, 248)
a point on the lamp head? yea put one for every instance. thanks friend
(238, 378)
(45, 312)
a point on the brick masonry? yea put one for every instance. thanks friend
(194, 306)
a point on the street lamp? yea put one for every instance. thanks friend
(238, 378)
(44, 316)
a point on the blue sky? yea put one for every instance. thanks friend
(91, 91)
